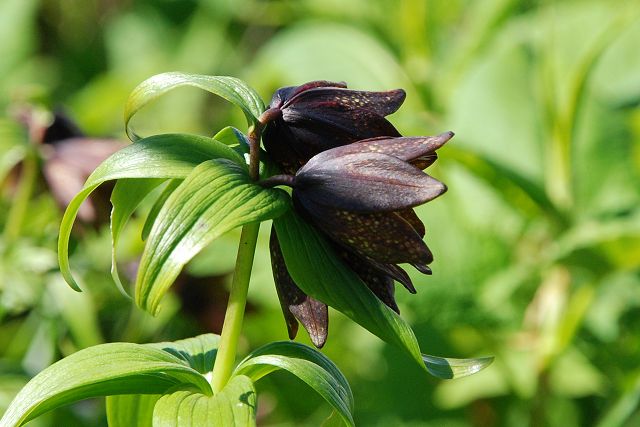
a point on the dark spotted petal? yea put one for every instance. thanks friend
(365, 182)
(295, 304)
(425, 161)
(284, 148)
(419, 149)
(311, 132)
(322, 115)
(382, 236)
(422, 268)
(341, 99)
(328, 128)
(410, 216)
(379, 283)
(284, 94)
(394, 272)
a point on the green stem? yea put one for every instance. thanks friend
(234, 315)
(18, 209)
(226, 356)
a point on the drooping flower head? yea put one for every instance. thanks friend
(356, 180)
(321, 115)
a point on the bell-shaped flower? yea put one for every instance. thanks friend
(321, 115)
(361, 197)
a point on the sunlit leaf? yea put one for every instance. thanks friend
(128, 410)
(155, 209)
(449, 368)
(160, 156)
(125, 198)
(230, 88)
(198, 352)
(234, 405)
(106, 369)
(215, 198)
(309, 365)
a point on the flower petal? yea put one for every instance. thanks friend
(379, 283)
(382, 236)
(365, 182)
(408, 149)
(295, 304)
(342, 99)
(322, 115)
(410, 216)
(284, 94)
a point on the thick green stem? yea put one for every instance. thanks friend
(231, 329)
(234, 315)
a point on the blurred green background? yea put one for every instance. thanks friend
(537, 241)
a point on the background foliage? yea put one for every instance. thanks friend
(537, 242)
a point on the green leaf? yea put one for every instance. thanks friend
(233, 90)
(103, 370)
(215, 198)
(309, 365)
(125, 198)
(155, 209)
(318, 271)
(131, 410)
(160, 156)
(232, 137)
(448, 368)
(198, 352)
(235, 405)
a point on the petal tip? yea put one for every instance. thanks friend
(318, 339)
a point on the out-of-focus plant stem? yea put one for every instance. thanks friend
(26, 184)
(565, 117)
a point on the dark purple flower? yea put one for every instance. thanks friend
(321, 115)
(361, 197)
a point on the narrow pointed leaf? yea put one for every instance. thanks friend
(230, 88)
(318, 271)
(215, 198)
(102, 370)
(309, 365)
(233, 406)
(160, 156)
(449, 368)
(128, 410)
(125, 198)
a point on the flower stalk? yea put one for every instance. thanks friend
(234, 315)
(232, 326)
(254, 140)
